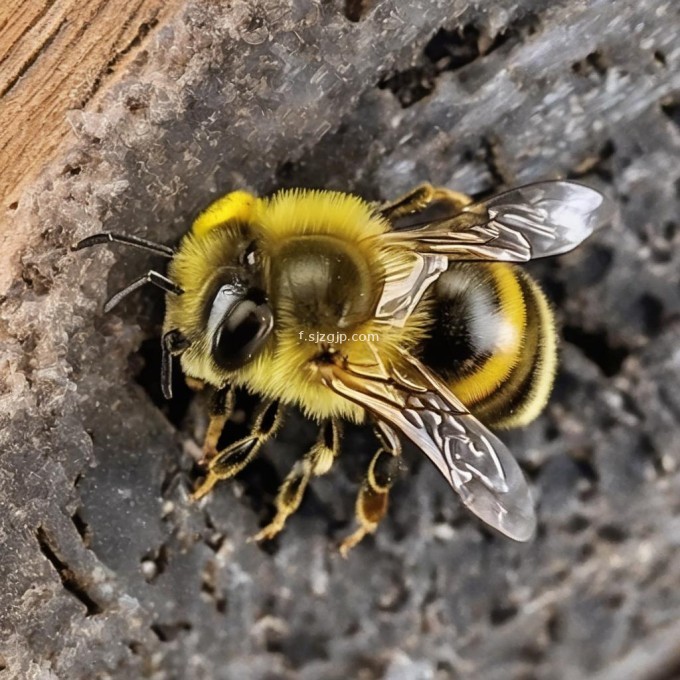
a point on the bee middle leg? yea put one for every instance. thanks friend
(373, 495)
(234, 458)
(317, 461)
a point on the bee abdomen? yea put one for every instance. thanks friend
(493, 341)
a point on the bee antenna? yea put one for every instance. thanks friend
(153, 277)
(133, 241)
(173, 344)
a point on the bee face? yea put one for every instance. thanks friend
(434, 334)
(224, 312)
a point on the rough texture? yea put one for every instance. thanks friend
(108, 572)
(54, 57)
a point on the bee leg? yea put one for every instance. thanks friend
(424, 196)
(414, 201)
(220, 410)
(317, 461)
(234, 458)
(194, 384)
(372, 499)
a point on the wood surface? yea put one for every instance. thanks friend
(57, 56)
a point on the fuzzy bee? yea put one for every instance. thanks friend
(421, 324)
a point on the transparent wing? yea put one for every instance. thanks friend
(403, 289)
(532, 221)
(473, 460)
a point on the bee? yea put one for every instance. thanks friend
(411, 314)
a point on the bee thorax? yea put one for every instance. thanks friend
(324, 283)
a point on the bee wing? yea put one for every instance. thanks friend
(473, 460)
(403, 289)
(532, 221)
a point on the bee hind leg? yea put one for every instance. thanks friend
(424, 200)
(317, 461)
(371, 504)
(235, 457)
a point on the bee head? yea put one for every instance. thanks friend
(225, 312)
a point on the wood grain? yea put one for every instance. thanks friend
(58, 55)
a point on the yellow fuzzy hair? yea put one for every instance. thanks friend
(298, 212)
(238, 205)
(546, 360)
(284, 369)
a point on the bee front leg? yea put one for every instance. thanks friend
(317, 461)
(194, 383)
(220, 410)
(372, 500)
(234, 458)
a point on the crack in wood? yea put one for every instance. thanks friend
(44, 46)
(29, 27)
(67, 577)
(142, 32)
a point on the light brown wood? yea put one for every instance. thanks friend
(57, 55)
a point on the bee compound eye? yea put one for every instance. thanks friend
(242, 334)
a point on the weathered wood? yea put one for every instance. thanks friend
(106, 569)
(56, 57)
